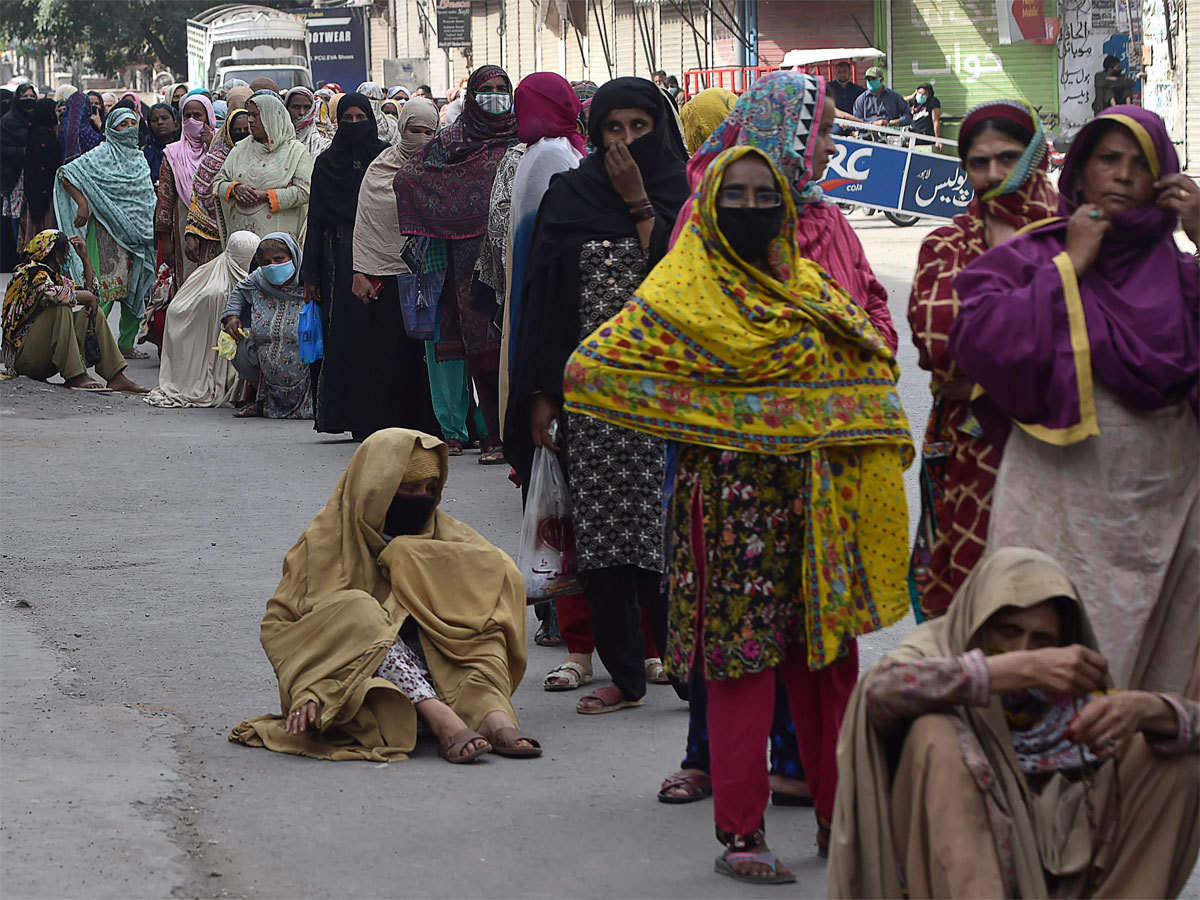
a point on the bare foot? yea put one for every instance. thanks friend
(82, 381)
(120, 382)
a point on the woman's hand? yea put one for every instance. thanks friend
(1074, 670)
(97, 124)
(233, 327)
(191, 247)
(206, 136)
(543, 410)
(300, 720)
(246, 196)
(82, 213)
(312, 293)
(79, 244)
(1085, 231)
(1106, 721)
(623, 172)
(1180, 194)
(363, 289)
(87, 300)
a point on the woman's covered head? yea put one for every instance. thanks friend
(1111, 168)
(239, 125)
(49, 246)
(1000, 144)
(272, 251)
(418, 123)
(488, 88)
(162, 120)
(299, 103)
(547, 107)
(279, 259)
(750, 205)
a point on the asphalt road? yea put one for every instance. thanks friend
(138, 549)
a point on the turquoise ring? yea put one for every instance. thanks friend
(1093, 214)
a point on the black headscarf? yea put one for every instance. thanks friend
(14, 131)
(339, 170)
(582, 205)
(154, 145)
(6, 98)
(42, 157)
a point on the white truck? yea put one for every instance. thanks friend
(241, 40)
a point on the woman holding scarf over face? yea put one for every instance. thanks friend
(1003, 152)
(393, 378)
(1082, 338)
(443, 193)
(202, 235)
(180, 163)
(788, 529)
(601, 227)
(76, 136)
(328, 271)
(106, 197)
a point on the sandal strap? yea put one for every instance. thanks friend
(695, 780)
(569, 666)
(508, 737)
(762, 857)
(740, 842)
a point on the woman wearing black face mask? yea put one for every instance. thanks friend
(600, 229)
(787, 530)
(388, 605)
(14, 133)
(328, 272)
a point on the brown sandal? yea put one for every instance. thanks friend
(504, 743)
(697, 784)
(451, 750)
(611, 699)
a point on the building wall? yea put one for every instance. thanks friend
(1165, 54)
(1192, 72)
(785, 25)
(1089, 31)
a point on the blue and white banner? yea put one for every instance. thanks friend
(898, 179)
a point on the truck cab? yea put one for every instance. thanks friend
(239, 40)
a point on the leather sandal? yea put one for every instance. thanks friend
(575, 675)
(698, 785)
(504, 743)
(611, 699)
(656, 673)
(451, 750)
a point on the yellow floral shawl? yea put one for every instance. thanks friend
(713, 351)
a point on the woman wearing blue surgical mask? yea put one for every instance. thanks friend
(926, 112)
(263, 316)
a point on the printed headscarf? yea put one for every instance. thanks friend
(445, 189)
(714, 351)
(23, 297)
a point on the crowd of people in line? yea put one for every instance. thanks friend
(662, 297)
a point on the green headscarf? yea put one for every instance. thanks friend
(114, 178)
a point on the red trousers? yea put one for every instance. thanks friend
(575, 626)
(739, 724)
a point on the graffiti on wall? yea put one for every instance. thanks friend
(1089, 31)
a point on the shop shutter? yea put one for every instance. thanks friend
(954, 44)
(525, 22)
(1191, 24)
(625, 43)
(575, 39)
(784, 25)
(377, 26)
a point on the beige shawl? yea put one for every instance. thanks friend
(862, 858)
(377, 238)
(345, 594)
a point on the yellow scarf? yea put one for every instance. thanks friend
(716, 352)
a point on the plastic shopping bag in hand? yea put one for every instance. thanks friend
(548, 559)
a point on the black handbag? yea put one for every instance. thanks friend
(91, 343)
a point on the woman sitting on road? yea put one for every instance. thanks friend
(42, 335)
(267, 304)
(389, 608)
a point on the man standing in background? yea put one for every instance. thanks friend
(844, 91)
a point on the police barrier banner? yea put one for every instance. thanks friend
(898, 179)
(338, 45)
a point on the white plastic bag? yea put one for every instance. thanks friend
(547, 559)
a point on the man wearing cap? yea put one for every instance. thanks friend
(879, 105)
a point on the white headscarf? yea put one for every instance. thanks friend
(387, 127)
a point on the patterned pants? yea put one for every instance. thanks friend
(404, 666)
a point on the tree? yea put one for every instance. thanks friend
(110, 34)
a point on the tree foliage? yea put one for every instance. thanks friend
(108, 34)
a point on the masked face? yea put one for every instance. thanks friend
(408, 514)
(279, 273)
(749, 208)
(874, 84)
(920, 98)
(496, 103)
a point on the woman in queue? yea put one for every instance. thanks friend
(1082, 336)
(1003, 152)
(202, 234)
(600, 229)
(788, 527)
(267, 305)
(394, 379)
(106, 197)
(264, 183)
(328, 272)
(181, 162)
